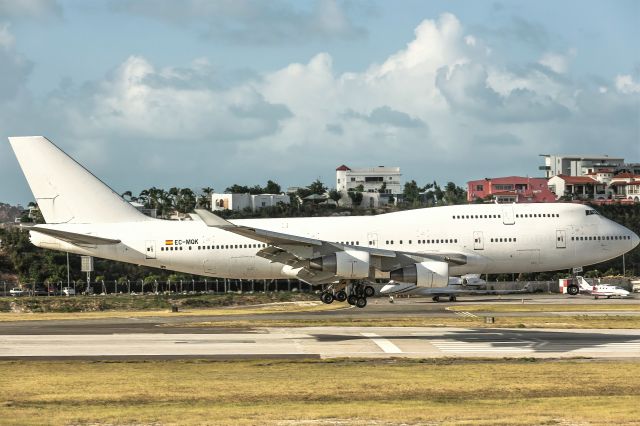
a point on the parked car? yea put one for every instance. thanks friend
(69, 291)
(17, 291)
(40, 291)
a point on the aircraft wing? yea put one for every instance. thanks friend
(296, 251)
(73, 237)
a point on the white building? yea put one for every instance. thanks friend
(578, 165)
(626, 186)
(578, 187)
(371, 179)
(240, 202)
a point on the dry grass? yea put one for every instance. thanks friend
(536, 307)
(562, 322)
(222, 311)
(320, 392)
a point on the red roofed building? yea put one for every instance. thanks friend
(626, 186)
(512, 189)
(578, 187)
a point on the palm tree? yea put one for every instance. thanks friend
(205, 200)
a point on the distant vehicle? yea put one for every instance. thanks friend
(581, 285)
(69, 291)
(17, 291)
(40, 291)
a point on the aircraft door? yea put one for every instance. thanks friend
(372, 240)
(561, 238)
(507, 215)
(478, 240)
(150, 249)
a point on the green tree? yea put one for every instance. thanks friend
(356, 197)
(185, 200)
(272, 188)
(204, 200)
(411, 192)
(317, 187)
(335, 196)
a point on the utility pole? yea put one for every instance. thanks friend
(68, 279)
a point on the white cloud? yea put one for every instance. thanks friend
(6, 38)
(138, 100)
(555, 62)
(626, 84)
(440, 107)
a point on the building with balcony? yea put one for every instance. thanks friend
(381, 179)
(625, 186)
(578, 187)
(511, 189)
(578, 165)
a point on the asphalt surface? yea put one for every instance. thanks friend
(166, 338)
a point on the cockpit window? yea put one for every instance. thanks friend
(589, 212)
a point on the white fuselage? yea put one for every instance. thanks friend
(495, 238)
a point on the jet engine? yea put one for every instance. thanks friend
(425, 274)
(350, 264)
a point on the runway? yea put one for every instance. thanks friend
(330, 342)
(171, 337)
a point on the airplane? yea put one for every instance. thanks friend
(468, 280)
(347, 253)
(451, 291)
(596, 290)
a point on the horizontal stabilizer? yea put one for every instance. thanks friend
(73, 237)
(213, 220)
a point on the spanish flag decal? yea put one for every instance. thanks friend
(168, 242)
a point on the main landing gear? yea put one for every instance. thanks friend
(353, 294)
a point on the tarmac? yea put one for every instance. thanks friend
(167, 338)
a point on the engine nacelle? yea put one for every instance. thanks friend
(350, 264)
(426, 274)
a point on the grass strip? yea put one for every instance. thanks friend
(388, 391)
(564, 322)
(536, 307)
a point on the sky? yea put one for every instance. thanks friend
(199, 93)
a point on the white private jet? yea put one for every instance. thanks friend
(601, 290)
(422, 247)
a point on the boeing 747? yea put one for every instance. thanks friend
(421, 247)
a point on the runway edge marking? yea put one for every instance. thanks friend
(383, 343)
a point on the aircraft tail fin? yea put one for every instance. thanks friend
(65, 191)
(584, 284)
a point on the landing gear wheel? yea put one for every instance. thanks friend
(452, 298)
(573, 290)
(369, 291)
(359, 290)
(326, 298)
(361, 302)
(352, 299)
(340, 296)
(436, 298)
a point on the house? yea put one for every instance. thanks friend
(511, 189)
